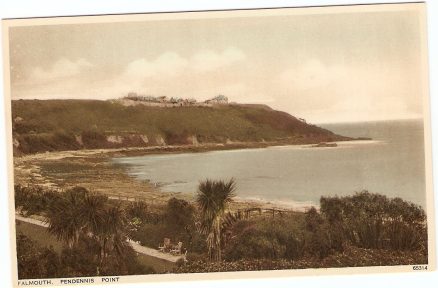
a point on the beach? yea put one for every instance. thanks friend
(95, 170)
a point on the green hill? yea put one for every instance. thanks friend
(55, 125)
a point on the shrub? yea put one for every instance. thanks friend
(31, 200)
(254, 244)
(194, 257)
(180, 219)
(263, 239)
(351, 257)
(178, 138)
(374, 221)
(64, 141)
(82, 261)
(137, 209)
(151, 235)
(53, 141)
(93, 139)
(179, 214)
(93, 229)
(35, 261)
(316, 240)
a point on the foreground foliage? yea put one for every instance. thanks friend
(364, 229)
(93, 229)
(213, 198)
(351, 257)
(35, 261)
(374, 221)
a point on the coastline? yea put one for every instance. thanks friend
(94, 170)
(199, 148)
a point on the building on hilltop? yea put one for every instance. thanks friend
(220, 99)
(164, 101)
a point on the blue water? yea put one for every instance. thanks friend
(392, 164)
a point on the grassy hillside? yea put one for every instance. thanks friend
(53, 125)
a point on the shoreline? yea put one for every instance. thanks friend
(94, 170)
(292, 206)
(176, 149)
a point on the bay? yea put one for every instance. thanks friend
(392, 164)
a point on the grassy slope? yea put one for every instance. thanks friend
(39, 234)
(49, 125)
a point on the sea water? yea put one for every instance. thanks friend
(392, 163)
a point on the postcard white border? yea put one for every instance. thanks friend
(224, 14)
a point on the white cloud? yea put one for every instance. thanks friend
(200, 72)
(62, 68)
(313, 89)
(172, 64)
(208, 60)
(168, 63)
(190, 76)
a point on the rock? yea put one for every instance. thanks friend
(193, 140)
(324, 144)
(114, 139)
(160, 141)
(79, 140)
(144, 138)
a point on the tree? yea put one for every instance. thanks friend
(137, 210)
(179, 213)
(65, 215)
(78, 213)
(112, 235)
(213, 198)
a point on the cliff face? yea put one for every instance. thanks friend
(55, 125)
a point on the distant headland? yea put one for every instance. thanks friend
(147, 121)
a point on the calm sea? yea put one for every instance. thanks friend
(391, 164)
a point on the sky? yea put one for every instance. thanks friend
(337, 67)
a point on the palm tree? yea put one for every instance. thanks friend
(63, 215)
(92, 213)
(78, 213)
(112, 234)
(213, 198)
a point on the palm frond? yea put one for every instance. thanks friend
(213, 198)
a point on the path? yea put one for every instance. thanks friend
(136, 246)
(31, 221)
(153, 252)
